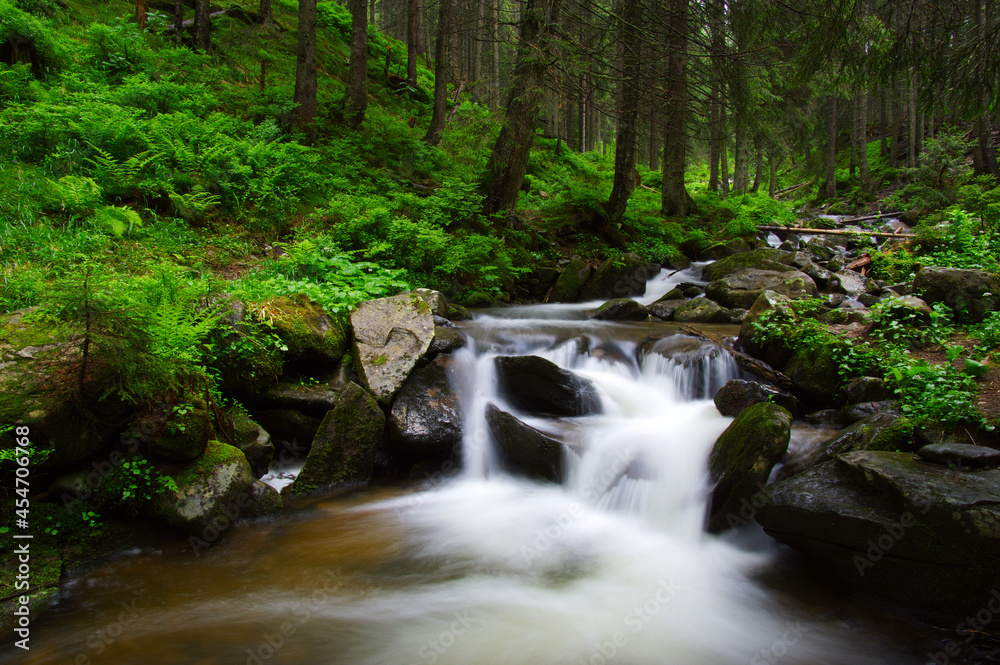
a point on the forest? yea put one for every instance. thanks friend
(206, 208)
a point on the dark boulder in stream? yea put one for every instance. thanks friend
(621, 309)
(425, 417)
(620, 277)
(524, 448)
(742, 459)
(571, 281)
(741, 288)
(343, 453)
(896, 527)
(540, 387)
(739, 394)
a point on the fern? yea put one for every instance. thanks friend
(118, 220)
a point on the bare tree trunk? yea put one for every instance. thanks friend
(886, 123)
(305, 67)
(202, 26)
(179, 20)
(714, 139)
(911, 153)
(140, 13)
(758, 171)
(723, 154)
(674, 198)
(861, 118)
(357, 85)
(772, 182)
(412, 39)
(741, 167)
(628, 111)
(654, 141)
(831, 150)
(442, 65)
(509, 158)
(897, 126)
(265, 12)
(855, 112)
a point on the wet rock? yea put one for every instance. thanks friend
(824, 418)
(310, 335)
(739, 394)
(621, 309)
(524, 448)
(758, 259)
(612, 352)
(288, 425)
(390, 336)
(970, 293)
(737, 315)
(775, 352)
(685, 350)
(446, 340)
(723, 249)
(852, 413)
(265, 501)
(458, 313)
(540, 387)
(881, 520)
(851, 283)
(867, 389)
(693, 291)
(313, 399)
(620, 277)
(571, 280)
(815, 374)
(425, 419)
(254, 441)
(743, 287)
(742, 459)
(343, 452)
(960, 455)
(701, 310)
(664, 309)
(210, 490)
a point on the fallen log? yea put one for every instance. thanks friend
(860, 263)
(868, 218)
(746, 362)
(789, 190)
(833, 232)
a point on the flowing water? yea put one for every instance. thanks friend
(483, 567)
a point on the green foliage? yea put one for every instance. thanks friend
(939, 394)
(938, 179)
(894, 323)
(26, 31)
(131, 484)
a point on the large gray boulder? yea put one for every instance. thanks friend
(743, 287)
(525, 449)
(343, 453)
(851, 283)
(738, 394)
(971, 293)
(254, 441)
(896, 527)
(425, 419)
(311, 336)
(211, 491)
(701, 310)
(620, 277)
(540, 387)
(315, 399)
(184, 435)
(742, 459)
(570, 282)
(775, 352)
(621, 309)
(390, 336)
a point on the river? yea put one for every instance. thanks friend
(480, 566)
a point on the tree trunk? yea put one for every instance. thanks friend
(202, 26)
(855, 112)
(412, 40)
(886, 123)
(179, 20)
(442, 65)
(741, 168)
(357, 84)
(723, 154)
(265, 12)
(305, 67)
(861, 118)
(509, 158)
(628, 111)
(675, 200)
(758, 171)
(140, 13)
(714, 139)
(654, 141)
(896, 118)
(911, 152)
(831, 150)
(772, 182)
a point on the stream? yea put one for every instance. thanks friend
(483, 567)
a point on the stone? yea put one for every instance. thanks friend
(908, 532)
(265, 501)
(775, 352)
(288, 425)
(723, 249)
(342, 455)
(852, 413)
(970, 293)
(525, 449)
(390, 336)
(445, 341)
(458, 313)
(621, 309)
(815, 374)
(571, 281)
(620, 277)
(960, 455)
(701, 310)
(211, 490)
(664, 309)
(743, 287)
(313, 399)
(867, 389)
(185, 435)
(850, 283)
(680, 349)
(253, 440)
(435, 300)
(540, 387)
(311, 336)
(742, 459)
(738, 394)
(425, 420)
(760, 259)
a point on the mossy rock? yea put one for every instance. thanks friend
(742, 459)
(186, 436)
(701, 310)
(761, 259)
(253, 440)
(620, 277)
(815, 374)
(742, 287)
(775, 352)
(307, 331)
(210, 489)
(343, 453)
(621, 309)
(571, 281)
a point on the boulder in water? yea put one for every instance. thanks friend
(739, 394)
(621, 309)
(743, 287)
(390, 336)
(343, 453)
(524, 448)
(540, 387)
(435, 300)
(425, 419)
(775, 352)
(253, 440)
(288, 425)
(742, 459)
(960, 455)
(445, 341)
(570, 282)
(682, 349)
(664, 309)
(701, 310)
(620, 277)
(759, 259)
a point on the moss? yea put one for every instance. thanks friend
(761, 259)
(216, 454)
(308, 332)
(380, 360)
